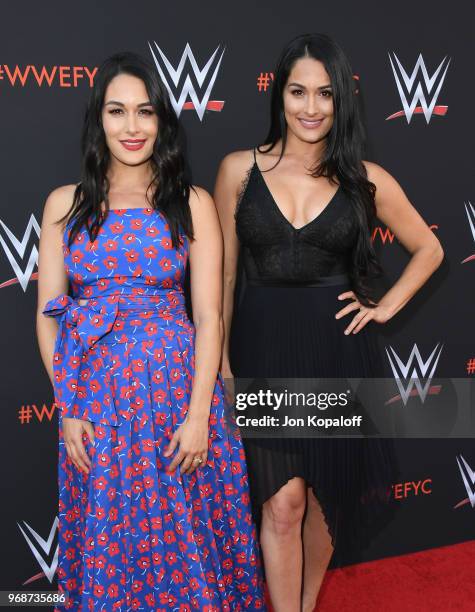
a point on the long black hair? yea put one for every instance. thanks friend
(169, 184)
(342, 158)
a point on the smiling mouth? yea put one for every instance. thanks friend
(133, 144)
(311, 123)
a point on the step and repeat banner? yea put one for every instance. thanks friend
(414, 69)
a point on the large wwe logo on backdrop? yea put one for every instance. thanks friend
(471, 220)
(15, 251)
(468, 477)
(204, 77)
(425, 84)
(409, 375)
(41, 550)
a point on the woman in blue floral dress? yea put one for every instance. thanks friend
(154, 509)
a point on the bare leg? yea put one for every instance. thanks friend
(281, 544)
(317, 552)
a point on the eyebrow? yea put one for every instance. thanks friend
(303, 86)
(122, 104)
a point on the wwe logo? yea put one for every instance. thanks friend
(471, 220)
(407, 372)
(468, 477)
(11, 243)
(42, 548)
(418, 104)
(188, 89)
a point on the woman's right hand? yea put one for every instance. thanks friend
(73, 430)
(229, 386)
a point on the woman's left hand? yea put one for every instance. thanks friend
(380, 314)
(192, 438)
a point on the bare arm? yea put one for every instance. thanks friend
(206, 252)
(397, 213)
(231, 174)
(395, 210)
(52, 279)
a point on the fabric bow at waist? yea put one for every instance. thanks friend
(80, 327)
(91, 321)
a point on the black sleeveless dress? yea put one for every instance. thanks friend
(284, 326)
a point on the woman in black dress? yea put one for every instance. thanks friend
(301, 209)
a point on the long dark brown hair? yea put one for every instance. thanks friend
(343, 154)
(169, 185)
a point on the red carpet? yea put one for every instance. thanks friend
(435, 580)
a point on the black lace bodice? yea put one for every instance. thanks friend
(274, 250)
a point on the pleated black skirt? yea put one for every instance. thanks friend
(291, 332)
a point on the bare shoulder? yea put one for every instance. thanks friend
(377, 174)
(201, 204)
(199, 198)
(203, 212)
(235, 165)
(59, 202)
(389, 194)
(238, 158)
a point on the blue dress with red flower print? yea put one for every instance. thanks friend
(133, 536)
